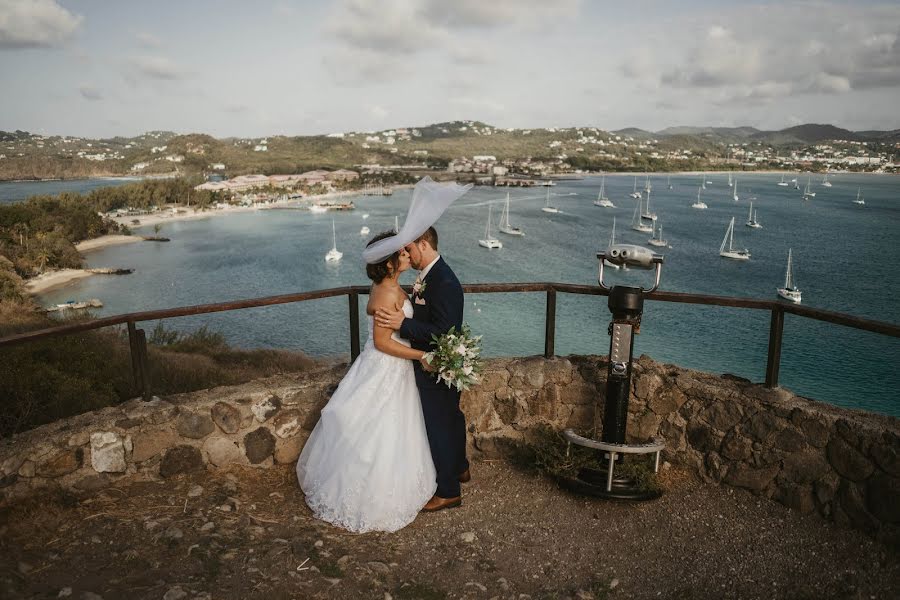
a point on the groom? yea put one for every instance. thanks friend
(437, 306)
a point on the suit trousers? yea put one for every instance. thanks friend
(446, 428)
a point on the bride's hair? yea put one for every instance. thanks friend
(378, 271)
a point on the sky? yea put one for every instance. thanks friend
(100, 68)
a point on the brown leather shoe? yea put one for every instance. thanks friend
(437, 503)
(465, 477)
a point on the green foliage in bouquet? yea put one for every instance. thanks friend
(456, 358)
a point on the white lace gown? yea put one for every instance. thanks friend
(367, 464)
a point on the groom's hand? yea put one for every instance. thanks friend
(392, 319)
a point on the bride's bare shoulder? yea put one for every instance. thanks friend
(381, 296)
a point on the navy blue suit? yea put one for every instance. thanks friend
(444, 421)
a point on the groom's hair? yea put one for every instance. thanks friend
(431, 237)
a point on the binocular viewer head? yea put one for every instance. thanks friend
(629, 255)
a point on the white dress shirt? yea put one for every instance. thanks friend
(427, 268)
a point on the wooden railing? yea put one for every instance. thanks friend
(138, 343)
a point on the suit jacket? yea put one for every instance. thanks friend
(442, 309)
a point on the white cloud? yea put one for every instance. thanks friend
(89, 92)
(35, 24)
(495, 13)
(148, 40)
(155, 67)
(378, 112)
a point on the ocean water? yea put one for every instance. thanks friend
(845, 259)
(18, 191)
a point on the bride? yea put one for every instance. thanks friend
(367, 464)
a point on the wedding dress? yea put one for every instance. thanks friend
(367, 464)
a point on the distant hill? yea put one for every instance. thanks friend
(809, 133)
(636, 133)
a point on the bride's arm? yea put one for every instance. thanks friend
(382, 335)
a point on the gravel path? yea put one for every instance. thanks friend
(245, 534)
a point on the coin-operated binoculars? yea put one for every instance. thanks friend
(626, 304)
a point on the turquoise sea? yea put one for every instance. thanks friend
(17, 191)
(845, 259)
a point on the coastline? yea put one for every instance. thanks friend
(105, 241)
(54, 279)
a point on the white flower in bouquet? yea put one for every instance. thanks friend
(456, 358)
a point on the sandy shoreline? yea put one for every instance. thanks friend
(106, 240)
(54, 279)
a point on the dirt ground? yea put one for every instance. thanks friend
(248, 534)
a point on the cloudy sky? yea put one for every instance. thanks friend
(104, 67)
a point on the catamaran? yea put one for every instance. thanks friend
(635, 194)
(637, 223)
(825, 182)
(751, 219)
(790, 290)
(657, 239)
(646, 214)
(735, 194)
(783, 183)
(728, 241)
(699, 203)
(808, 193)
(317, 208)
(334, 254)
(489, 240)
(505, 227)
(602, 200)
(858, 199)
(548, 208)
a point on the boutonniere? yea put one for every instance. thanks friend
(419, 288)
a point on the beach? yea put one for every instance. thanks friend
(54, 279)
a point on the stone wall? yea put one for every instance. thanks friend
(844, 465)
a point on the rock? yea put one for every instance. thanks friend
(27, 469)
(208, 526)
(107, 452)
(265, 408)
(172, 533)
(288, 451)
(702, 437)
(805, 467)
(789, 440)
(64, 593)
(148, 444)
(195, 492)
(259, 445)
(379, 567)
(723, 415)
(883, 498)
(468, 537)
(227, 417)
(736, 447)
(850, 500)
(92, 483)
(644, 427)
(646, 386)
(493, 380)
(798, 497)
(613, 584)
(816, 431)
(744, 476)
(847, 461)
(287, 423)
(715, 469)
(90, 596)
(763, 425)
(825, 488)
(61, 464)
(180, 459)
(82, 438)
(223, 451)
(666, 401)
(887, 456)
(154, 412)
(194, 426)
(175, 593)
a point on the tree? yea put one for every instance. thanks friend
(156, 229)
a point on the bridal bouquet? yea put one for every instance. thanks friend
(456, 358)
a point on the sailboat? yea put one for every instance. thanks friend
(548, 208)
(635, 194)
(364, 230)
(505, 227)
(789, 291)
(796, 185)
(636, 222)
(646, 214)
(808, 193)
(489, 241)
(702, 182)
(825, 182)
(396, 224)
(334, 254)
(669, 182)
(647, 186)
(699, 203)
(751, 219)
(602, 200)
(735, 194)
(657, 239)
(728, 241)
(730, 181)
(782, 183)
(612, 242)
(858, 199)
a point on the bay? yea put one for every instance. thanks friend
(845, 259)
(19, 191)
